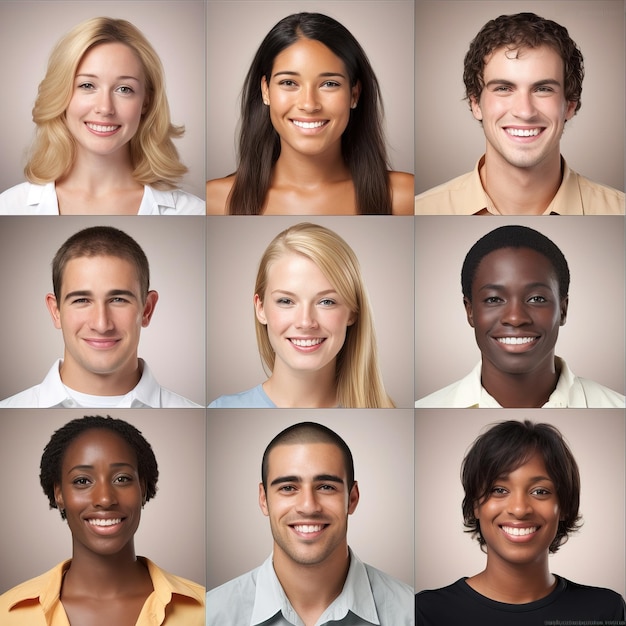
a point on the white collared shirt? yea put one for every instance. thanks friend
(571, 391)
(52, 393)
(31, 199)
(369, 596)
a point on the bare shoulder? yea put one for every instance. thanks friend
(217, 191)
(402, 193)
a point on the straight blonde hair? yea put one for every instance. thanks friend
(357, 374)
(154, 157)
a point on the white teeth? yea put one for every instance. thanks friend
(516, 341)
(306, 343)
(518, 132)
(105, 522)
(102, 129)
(513, 530)
(308, 528)
(300, 124)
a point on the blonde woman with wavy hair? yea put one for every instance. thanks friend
(314, 327)
(103, 142)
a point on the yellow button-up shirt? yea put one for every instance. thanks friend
(465, 195)
(37, 602)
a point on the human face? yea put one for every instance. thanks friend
(309, 97)
(522, 107)
(516, 310)
(520, 517)
(306, 317)
(108, 100)
(101, 492)
(101, 312)
(308, 502)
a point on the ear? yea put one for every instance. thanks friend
(468, 311)
(564, 305)
(148, 307)
(355, 94)
(265, 91)
(263, 500)
(353, 318)
(144, 490)
(146, 104)
(258, 309)
(571, 110)
(58, 496)
(353, 499)
(476, 112)
(51, 303)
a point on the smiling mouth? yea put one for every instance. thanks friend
(523, 132)
(99, 128)
(105, 522)
(308, 528)
(515, 531)
(307, 343)
(309, 125)
(516, 341)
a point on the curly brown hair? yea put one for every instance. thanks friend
(523, 30)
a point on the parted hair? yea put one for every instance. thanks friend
(306, 433)
(52, 457)
(516, 32)
(504, 448)
(154, 158)
(358, 378)
(101, 241)
(363, 143)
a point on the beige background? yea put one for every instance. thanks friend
(33, 538)
(173, 344)
(235, 29)
(449, 141)
(444, 553)
(384, 247)
(29, 31)
(592, 340)
(381, 529)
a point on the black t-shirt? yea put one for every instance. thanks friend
(459, 605)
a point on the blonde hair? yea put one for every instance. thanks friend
(357, 375)
(154, 157)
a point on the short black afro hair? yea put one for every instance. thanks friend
(52, 457)
(514, 236)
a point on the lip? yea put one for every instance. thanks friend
(316, 343)
(522, 538)
(298, 529)
(109, 529)
(101, 344)
(309, 126)
(523, 134)
(102, 130)
(521, 343)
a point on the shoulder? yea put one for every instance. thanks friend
(608, 601)
(460, 394)
(449, 197)
(231, 604)
(599, 199)
(599, 396)
(254, 398)
(169, 399)
(434, 606)
(392, 588)
(176, 584)
(402, 192)
(217, 191)
(29, 398)
(170, 202)
(18, 200)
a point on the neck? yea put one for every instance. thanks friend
(528, 390)
(312, 588)
(520, 191)
(514, 583)
(294, 389)
(117, 383)
(309, 171)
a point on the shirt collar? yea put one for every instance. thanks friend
(356, 597)
(44, 197)
(155, 202)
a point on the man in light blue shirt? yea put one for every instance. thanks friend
(312, 577)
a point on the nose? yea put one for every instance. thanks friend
(104, 103)
(515, 313)
(308, 502)
(100, 320)
(524, 105)
(306, 317)
(308, 101)
(519, 504)
(104, 494)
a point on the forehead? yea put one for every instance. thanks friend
(524, 63)
(103, 270)
(507, 264)
(305, 460)
(308, 54)
(114, 57)
(97, 445)
(533, 464)
(295, 268)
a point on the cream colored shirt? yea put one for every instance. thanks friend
(37, 602)
(465, 195)
(570, 392)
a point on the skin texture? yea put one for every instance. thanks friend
(517, 567)
(515, 294)
(100, 480)
(307, 484)
(101, 313)
(301, 304)
(523, 92)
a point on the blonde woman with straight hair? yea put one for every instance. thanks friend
(104, 136)
(314, 327)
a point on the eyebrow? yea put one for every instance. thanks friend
(90, 467)
(508, 83)
(118, 78)
(112, 293)
(326, 478)
(290, 293)
(496, 287)
(322, 75)
(533, 479)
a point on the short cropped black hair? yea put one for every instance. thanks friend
(52, 457)
(507, 446)
(514, 236)
(309, 432)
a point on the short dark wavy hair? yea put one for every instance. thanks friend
(514, 236)
(523, 30)
(52, 458)
(505, 447)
